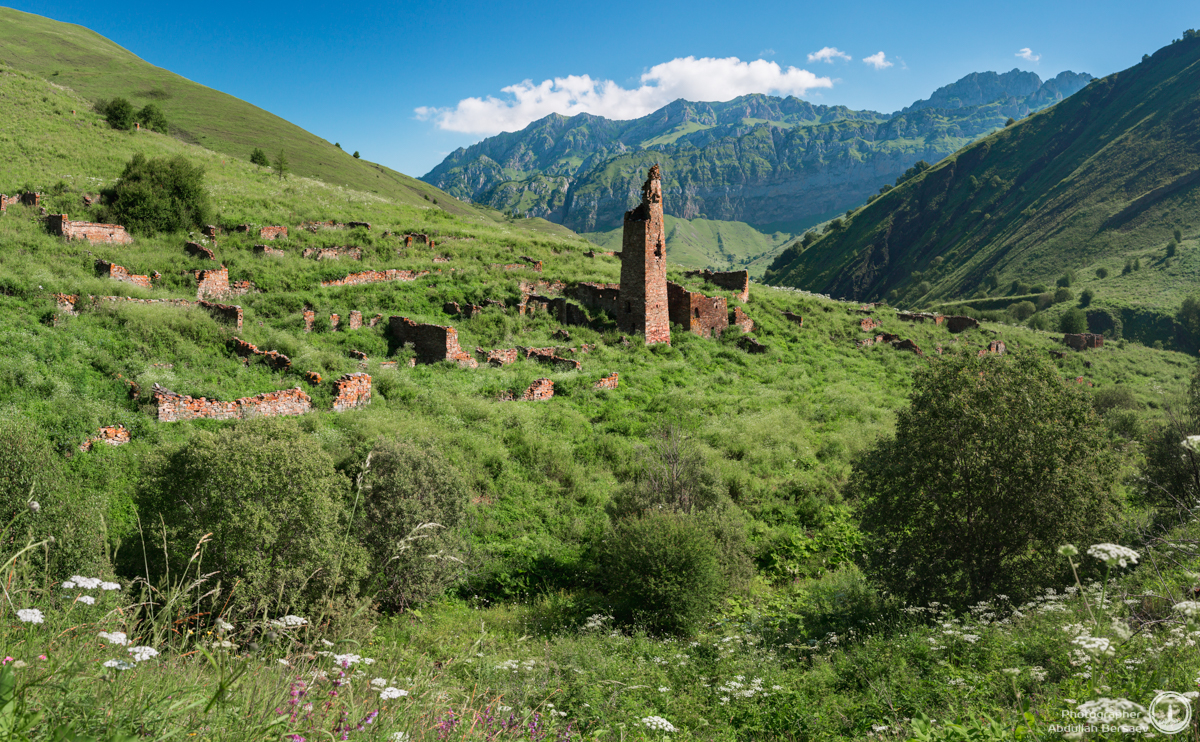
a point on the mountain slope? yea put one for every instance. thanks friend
(776, 163)
(96, 68)
(1105, 176)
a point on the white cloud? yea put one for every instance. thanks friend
(828, 54)
(767, 53)
(877, 61)
(704, 79)
(1028, 55)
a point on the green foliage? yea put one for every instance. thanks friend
(152, 117)
(273, 508)
(1022, 310)
(1172, 248)
(159, 195)
(1171, 471)
(1102, 273)
(1128, 268)
(1063, 294)
(1074, 320)
(355, 154)
(1086, 296)
(1065, 279)
(118, 112)
(996, 462)
(665, 568)
(671, 475)
(920, 167)
(258, 157)
(1188, 318)
(281, 165)
(413, 501)
(1177, 235)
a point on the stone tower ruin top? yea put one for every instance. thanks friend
(642, 305)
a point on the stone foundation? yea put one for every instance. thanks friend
(355, 322)
(866, 324)
(174, 407)
(750, 345)
(215, 283)
(114, 234)
(273, 358)
(793, 317)
(607, 382)
(357, 279)
(432, 343)
(957, 324)
(333, 253)
(738, 318)
(119, 273)
(498, 357)
(273, 233)
(264, 250)
(351, 391)
(937, 319)
(112, 435)
(996, 347)
(538, 390)
(548, 355)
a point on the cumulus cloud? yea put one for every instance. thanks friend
(828, 54)
(877, 61)
(703, 79)
(767, 53)
(1028, 55)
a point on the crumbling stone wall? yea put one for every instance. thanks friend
(112, 435)
(643, 298)
(273, 358)
(228, 313)
(751, 345)
(60, 225)
(793, 317)
(603, 296)
(869, 323)
(1084, 341)
(334, 321)
(996, 347)
(535, 264)
(264, 250)
(272, 233)
(29, 198)
(355, 321)
(468, 311)
(937, 319)
(309, 318)
(65, 304)
(701, 315)
(196, 250)
(957, 324)
(6, 201)
(333, 253)
(736, 281)
(538, 390)
(607, 382)
(357, 279)
(549, 355)
(215, 283)
(417, 238)
(498, 357)
(351, 391)
(210, 230)
(119, 273)
(174, 407)
(432, 343)
(738, 318)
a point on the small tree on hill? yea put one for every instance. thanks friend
(1073, 321)
(1102, 273)
(258, 157)
(355, 154)
(118, 112)
(159, 195)
(1085, 298)
(281, 164)
(996, 462)
(1061, 294)
(152, 117)
(1172, 248)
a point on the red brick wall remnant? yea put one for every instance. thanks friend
(1084, 341)
(242, 228)
(453, 309)
(736, 281)
(957, 324)
(738, 318)
(351, 391)
(6, 201)
(536, 264)
(119, 273)
(643, 300)
(264, 250)
(537, 391)
(750, 345)
(271, 233)
(309, 318)
(210, 231)
(357, 354)
(432, 343)
(607, 382)
(114, 234)
(701, 315)
(65, 303)
(312, 377)
(549, 355)
(196, 250)
(215, 283)
(334, 321)
(498, 357)
(113, 435)
(441, 259)
(355, 322)
(604, 296)
(273, 358)
(417, 238)
(937, 319)
(793, 317)
(174, 407)
(333, 253)
(869, 323)
(29, 198)
(996, 346)
(357, 279)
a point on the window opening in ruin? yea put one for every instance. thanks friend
(628, 307)
(658, 250)
(697, 312)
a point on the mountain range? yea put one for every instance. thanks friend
(775, 163)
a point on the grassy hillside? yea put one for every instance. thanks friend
(1105, 177)
(708, 243)
(96, 68)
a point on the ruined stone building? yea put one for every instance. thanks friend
(642, 303)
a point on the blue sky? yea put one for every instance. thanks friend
(358, 73)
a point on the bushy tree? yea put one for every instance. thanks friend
(118, 112)
(274, 505)
(258, 157)
(996, 462)
(1172, 248)
(355, 155)
(1072, 321)
(1102, 273)
(1086, 296)
(159, 195)
(281, 164)
(413, 501)
(1062, 294)
(1022, 310)
(152, 117)
(1188, 318)
(1170, 476)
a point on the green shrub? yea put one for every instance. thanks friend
(274, 505)
(258, 157)
(1102, 273)
(1063, 294)
(1022, 310)
(996, 462)
(413, 501)
(118, 112)
(1171, 471)
(1044, 301)
(664, 569)
(671, 474)
(1085, 297)
(1073, 321)
(159, 195)
(152, 117)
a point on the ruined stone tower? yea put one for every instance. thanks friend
(642, 305)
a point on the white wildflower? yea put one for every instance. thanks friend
(110, 586)
(120, 664)
(31, 615)
(659, 723)
(378, 683)
(877, 728)
(87, 583)
(1011, 671)
(290, 621)
(1038, 673)
(114, 637)
(224, 644)
(971, 638)
(1189, 608)
(223, 625)
(86, 600)
(68, 585)
(388, 694)
(1112, 554)
(1097, 646)
(399, 737)
(284, 662)
(141, 654)
(663, 689)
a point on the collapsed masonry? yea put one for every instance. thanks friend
(1083, 341)
(112, 435)
(272, 233)
(333, 253)
(68, 304)
(417, 238)
(363, 277)
(607, 382)
(274, 359)
(174, 407)
(996, 347)
(114, 234)
(28, 199)
(894, 340)
(539, 390)
(120, 273)
(957, 324)
(432, 343)
(215, 283)
(265, 250)
(736, 281)
(351, 391)
(196, 250)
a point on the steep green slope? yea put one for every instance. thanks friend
(96, 68)
(1105, 176)
(709, 243)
